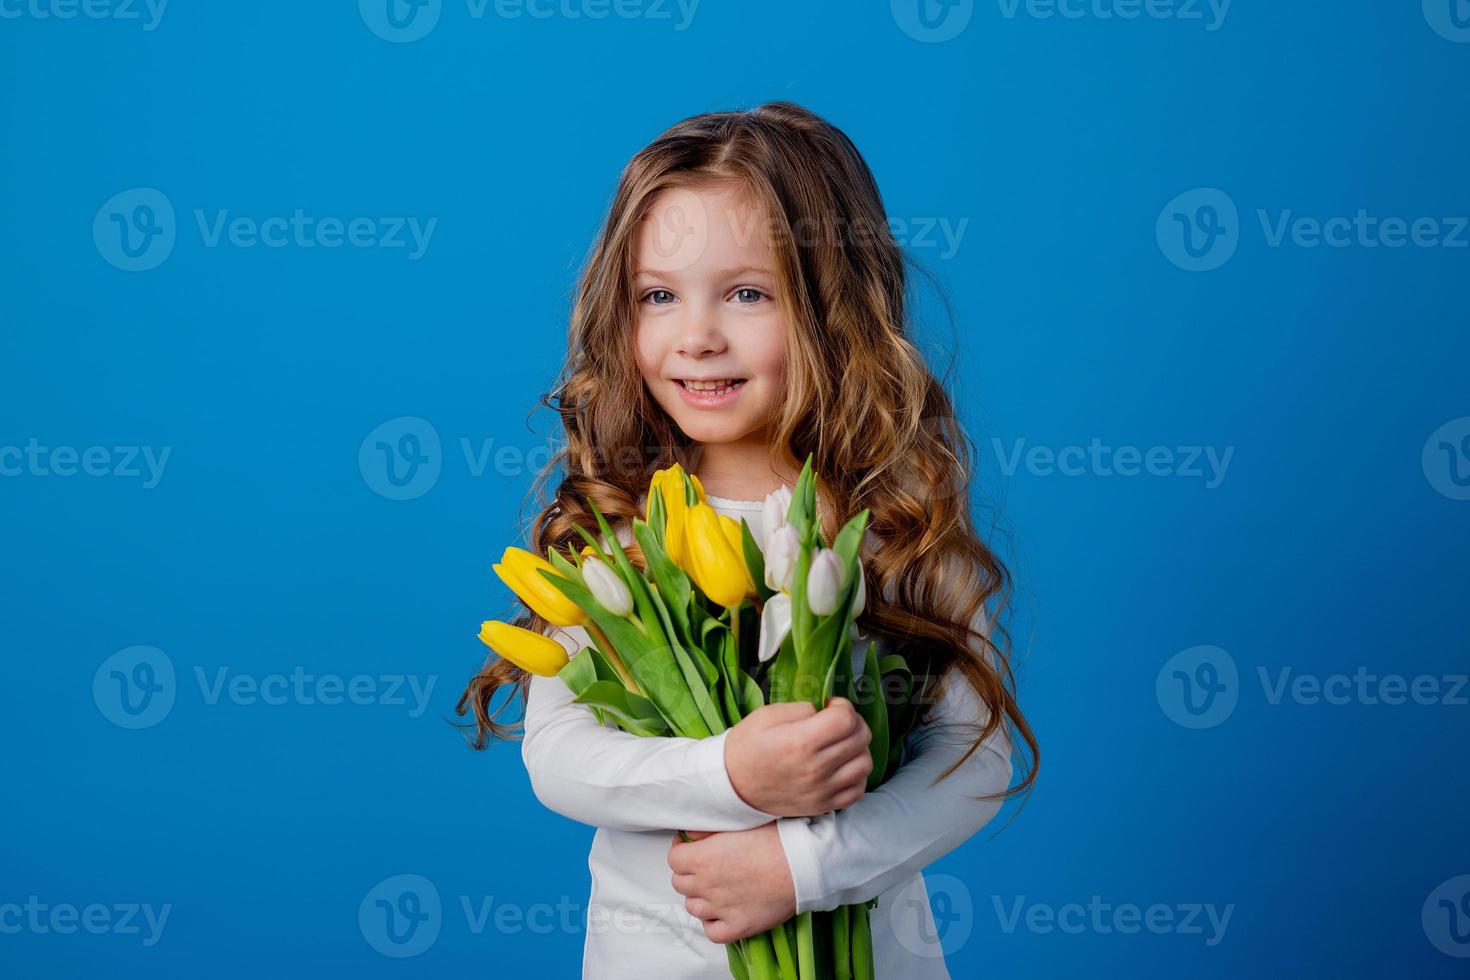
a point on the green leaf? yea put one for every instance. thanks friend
(580, 672)
(673, 583)
(656, 673)
(634, 713)
(874, 709)
(699, 674)
(755, 561)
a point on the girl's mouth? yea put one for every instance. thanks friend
(710, 394)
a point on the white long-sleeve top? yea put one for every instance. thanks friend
(637, 791)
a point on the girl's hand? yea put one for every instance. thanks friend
(792, 760)
(736, 882)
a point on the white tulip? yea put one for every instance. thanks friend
(824, 582)
(775, 625)
(607, 587)
(782, 549)
(774, 511)
(860, 597)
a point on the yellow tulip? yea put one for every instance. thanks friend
(519, 569)
(669, 483)
(527, 649)
(717, 568)
(737, 542)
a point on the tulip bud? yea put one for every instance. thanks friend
(824, 582)
(775, 626)
(773, 512)
(860, 597)
(527, 649)
(782, 549)
(607, 587)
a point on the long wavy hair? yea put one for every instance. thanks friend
(880, 427)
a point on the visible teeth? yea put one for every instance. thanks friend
(709, 385)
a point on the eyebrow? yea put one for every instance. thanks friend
(721, 274)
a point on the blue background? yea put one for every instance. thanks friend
(268, 545)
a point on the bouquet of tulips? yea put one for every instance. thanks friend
(712, 627)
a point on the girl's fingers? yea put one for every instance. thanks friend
(685, 885)
(835, 756)
(854, 773)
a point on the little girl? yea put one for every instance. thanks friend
(745, 306)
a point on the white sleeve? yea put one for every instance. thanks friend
(893, 832)
(602, 776)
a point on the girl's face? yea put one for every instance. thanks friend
(707, 314)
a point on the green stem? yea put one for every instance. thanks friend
(781, 940)
(762, 958)
(806, 953)
(862, 943)
(841, 943)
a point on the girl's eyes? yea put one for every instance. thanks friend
(746, 296)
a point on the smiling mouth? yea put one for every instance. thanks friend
(710, 387)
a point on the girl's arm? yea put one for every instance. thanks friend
(604, 777)
(894, 831)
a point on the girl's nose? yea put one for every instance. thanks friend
(700, 335)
